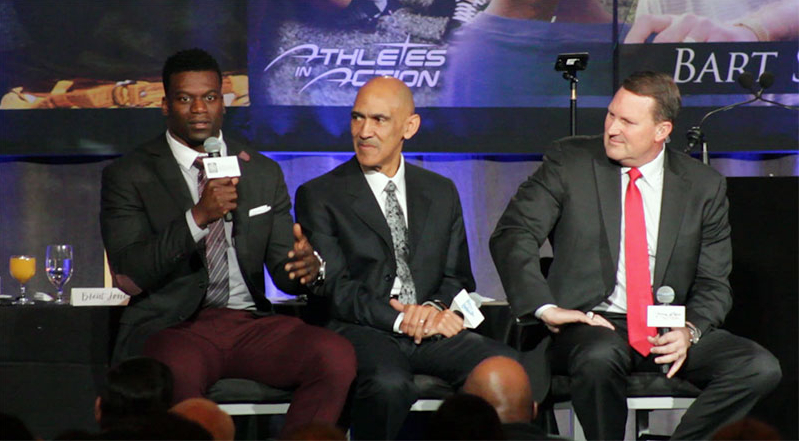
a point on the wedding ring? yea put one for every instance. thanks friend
(421, 320)
(590, 315)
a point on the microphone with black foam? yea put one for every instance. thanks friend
(747, 81)
(765, 81)
(695, 135)
(213, 146)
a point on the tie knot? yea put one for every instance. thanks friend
(634, 174)
(390, 187)
(198, 162)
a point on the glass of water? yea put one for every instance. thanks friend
(58, 266)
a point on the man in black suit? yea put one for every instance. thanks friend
(197, 281)
(613, 243)
(389, 287)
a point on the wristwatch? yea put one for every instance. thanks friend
(320, 277)
(696, 334)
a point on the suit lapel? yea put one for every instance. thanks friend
(608, 189)
(364, 204)
(675, 187)
(244, 191)
(168, 172)
(418, 207)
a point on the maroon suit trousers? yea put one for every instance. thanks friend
(276, 350)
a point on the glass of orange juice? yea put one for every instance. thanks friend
(22, 268)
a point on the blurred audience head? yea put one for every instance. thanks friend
(134, 387)
(316, 432)
(465, 416)
(208, 414)
(504, 384)
(157, 425)
(11, 427)
(747, 429)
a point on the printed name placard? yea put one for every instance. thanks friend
(661, 316)
(222, 167)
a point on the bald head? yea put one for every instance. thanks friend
(503, 382)
(207, 414)
(401, 95)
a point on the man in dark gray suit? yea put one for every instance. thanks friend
(614, 241)
(389, 287)
(197, 281)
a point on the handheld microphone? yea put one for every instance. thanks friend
(664, 296)
(470, 309)
(213, 146)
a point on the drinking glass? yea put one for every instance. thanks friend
(22, 268)
(58, 267)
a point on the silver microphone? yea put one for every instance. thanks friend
(664, 296)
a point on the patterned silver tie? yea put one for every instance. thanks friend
(399, 235)
(216, 296)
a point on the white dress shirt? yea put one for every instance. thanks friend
(650, 184)
(240, 297)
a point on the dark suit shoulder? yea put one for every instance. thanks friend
(332, 180)
(133, 161)
(691, 166)
(426, 176)
(247, 154)
(576, 148)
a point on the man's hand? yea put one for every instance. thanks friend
(304, 263)
(556, 317)
(686, 28)
(418, 320)
(447, 323)
(673, 347)
(218, 198)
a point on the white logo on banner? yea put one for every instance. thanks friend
(415, 64)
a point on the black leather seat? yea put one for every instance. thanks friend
(239, 396)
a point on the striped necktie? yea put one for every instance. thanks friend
(216, 295)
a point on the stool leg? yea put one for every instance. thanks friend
(641, 423)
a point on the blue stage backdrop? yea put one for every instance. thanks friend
(83, 77)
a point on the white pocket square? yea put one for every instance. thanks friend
(259, 210)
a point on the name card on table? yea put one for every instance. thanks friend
(662, 316)
(98, 297)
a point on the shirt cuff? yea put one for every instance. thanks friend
(542, 308)
(398, 321)
(196, 232)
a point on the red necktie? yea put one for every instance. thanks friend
(636, 261)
